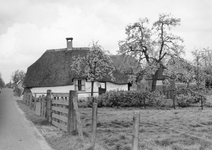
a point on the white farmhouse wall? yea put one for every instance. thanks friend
(56, 89)
(111, 86)
(81, 94)
(95, 87)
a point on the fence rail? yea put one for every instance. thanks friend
(60, 102)
(61, 110)
(59, 107)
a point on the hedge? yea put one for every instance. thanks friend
(128, 99)
(18, 91)
(184, 98)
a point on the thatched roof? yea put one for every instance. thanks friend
(53, 69)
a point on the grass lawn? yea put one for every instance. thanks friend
(168, 129)
(181, 129)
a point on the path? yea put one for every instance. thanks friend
(16, 133)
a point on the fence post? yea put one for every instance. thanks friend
(79, 124)
(135, 138)
(40, 101)
(201, 102)
(94, 124)
(144, 103)
(27, 98)
(35, 100)
(43, 106)
(71, 113)
(38, 106)
(24, 97)
(174, 106)
(30, 100)
(49, 105)
(174, 97)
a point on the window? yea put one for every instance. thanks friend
(80, 85)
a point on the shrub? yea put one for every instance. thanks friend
(128, 99)
(157, 99)
(17, 92)
(186, 96)
(183, 100)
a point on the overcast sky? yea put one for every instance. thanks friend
(29, 27)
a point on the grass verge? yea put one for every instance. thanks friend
(167, 129)
(56, 138)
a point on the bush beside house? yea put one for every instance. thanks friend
(18, 91)
(141, 98)
(184, 98)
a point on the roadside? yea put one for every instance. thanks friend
(56, 138)
(33, 123)
(16, 133)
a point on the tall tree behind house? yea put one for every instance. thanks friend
(152, 46)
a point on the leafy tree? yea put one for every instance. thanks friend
(199, 73)
(206, 54)
(95, 66)
(2, 84)
(205, 60)
(9, 85)
(152, 47)
(130, 67)
(18, 75)
(180, 69)
(203, 65)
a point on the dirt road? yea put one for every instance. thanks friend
(16, 133)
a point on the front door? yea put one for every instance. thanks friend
(102, 88)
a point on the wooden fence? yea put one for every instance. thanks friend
(170, 94)
(60, 103)
(60, 109)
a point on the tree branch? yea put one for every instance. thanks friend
(162, 40)
(162, 56)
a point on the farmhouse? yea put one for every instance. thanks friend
(53, 71)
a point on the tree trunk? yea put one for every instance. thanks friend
(92, 83)
(187, 84)
(138, 86)
(198, 85)
(154, 83)
(154, 80)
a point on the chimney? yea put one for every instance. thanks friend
(69, 43)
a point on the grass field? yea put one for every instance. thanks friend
(180, 129)
(168, 129)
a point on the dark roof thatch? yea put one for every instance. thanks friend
(53, 69)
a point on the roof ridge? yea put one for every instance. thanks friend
(58, 49)
(80, 48)
(74, 48)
